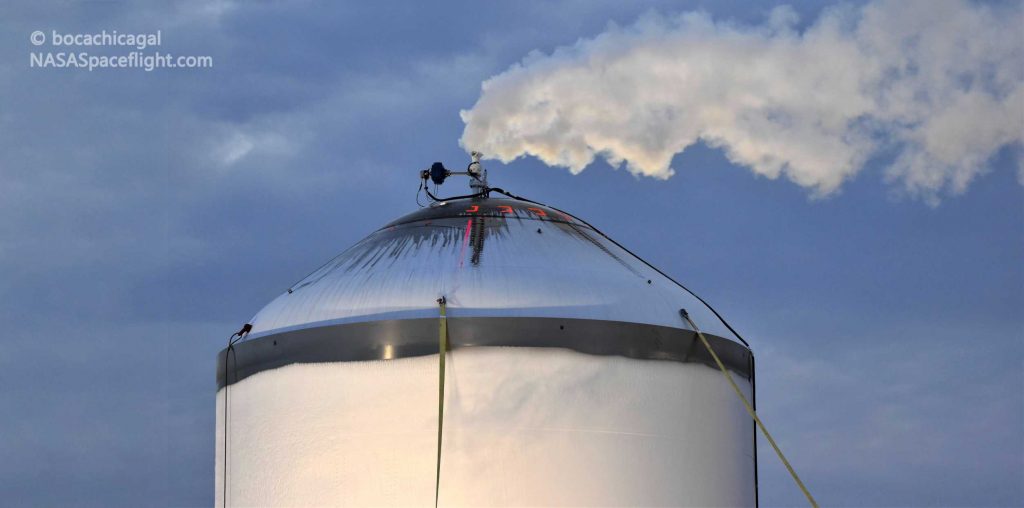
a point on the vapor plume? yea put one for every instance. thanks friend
(933, 89)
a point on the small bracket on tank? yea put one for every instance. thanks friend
(477, 174)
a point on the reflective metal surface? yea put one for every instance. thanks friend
(489, 258)
(404, 338)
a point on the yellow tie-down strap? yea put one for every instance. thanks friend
(442, 352)
(746, 404)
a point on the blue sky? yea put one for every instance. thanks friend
(145, 216)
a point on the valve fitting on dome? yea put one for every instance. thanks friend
(478, 180)
(477, 174)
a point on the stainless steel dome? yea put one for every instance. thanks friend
(489, 258)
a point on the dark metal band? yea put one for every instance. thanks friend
(403, 338)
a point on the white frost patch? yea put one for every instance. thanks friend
(523, 427)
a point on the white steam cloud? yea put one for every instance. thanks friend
(937, 87)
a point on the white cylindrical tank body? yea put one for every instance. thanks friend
(570, 379)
